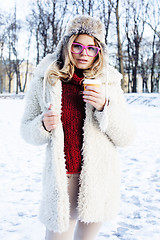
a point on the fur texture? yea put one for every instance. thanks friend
(86, 25)
(100, 176)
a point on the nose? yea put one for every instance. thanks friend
(84, 52)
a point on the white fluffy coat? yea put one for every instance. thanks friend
(99, 190)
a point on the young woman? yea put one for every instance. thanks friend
(81, 130)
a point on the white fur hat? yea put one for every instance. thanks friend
(83, 24)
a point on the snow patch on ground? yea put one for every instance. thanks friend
(150, 100)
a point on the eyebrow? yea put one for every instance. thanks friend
(83, 44)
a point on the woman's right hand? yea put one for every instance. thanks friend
(50, 119)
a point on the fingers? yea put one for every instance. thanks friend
(92, 94)
(95, 97)
(50, 120)
(50, 113)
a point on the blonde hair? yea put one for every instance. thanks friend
(64, 67)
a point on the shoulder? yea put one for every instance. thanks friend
(43, 65)
(36, 84)
(113, 75)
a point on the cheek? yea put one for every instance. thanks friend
(91, 61)
(73, 56)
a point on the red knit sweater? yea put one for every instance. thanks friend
(73, 114)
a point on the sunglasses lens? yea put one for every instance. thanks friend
(92, 51)
(76, 48)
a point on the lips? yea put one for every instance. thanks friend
(82, 60)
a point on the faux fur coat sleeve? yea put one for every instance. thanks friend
(115, 120)
(32, 129)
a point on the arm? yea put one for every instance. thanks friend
(32, 129)
(115, 119)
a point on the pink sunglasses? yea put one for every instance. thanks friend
(91, 51)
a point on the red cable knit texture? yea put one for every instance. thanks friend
(73, 114)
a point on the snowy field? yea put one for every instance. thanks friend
(21, 167)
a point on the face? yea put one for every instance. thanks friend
(82, 60)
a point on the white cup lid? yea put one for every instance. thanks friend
(91, 81)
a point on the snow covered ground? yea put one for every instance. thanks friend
(21, 166)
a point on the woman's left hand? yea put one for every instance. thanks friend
(95, 97)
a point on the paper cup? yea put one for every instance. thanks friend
(91, 82)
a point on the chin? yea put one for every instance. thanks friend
(83, 67)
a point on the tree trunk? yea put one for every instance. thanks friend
(135, 68)
(1, 68)
(17, 82)
(54, 32)
(37, 43)
(83, 8)
(26, 77)
(28, 50)
(120, 55)
(107, 21)
(153, 63)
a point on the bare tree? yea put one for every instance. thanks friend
(134, 33)
(38, 23)
(8, 63)
(15, 27)
(1, 66)
(144, 65)
(46, 22)
(155, 20)
(84, 7)
(104, 10)
(115, 5)
(153, 17)
(27, 62)
(2, 40)
(107, 18)
(12, 61)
